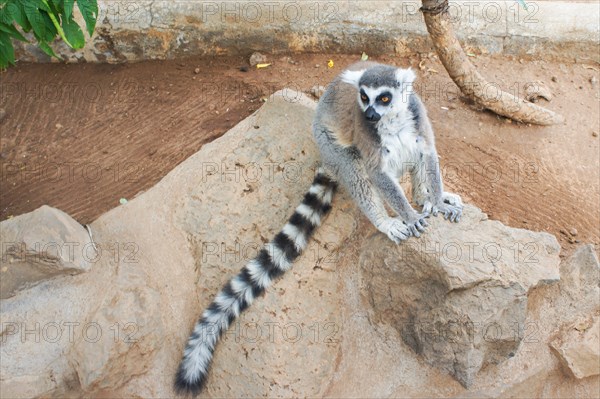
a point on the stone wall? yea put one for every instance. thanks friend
(144, 29)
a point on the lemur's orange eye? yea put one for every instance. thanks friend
(385, 99)
(363, 97)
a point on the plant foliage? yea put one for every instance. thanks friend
(45, 19)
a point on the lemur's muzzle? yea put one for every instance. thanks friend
(372, 115)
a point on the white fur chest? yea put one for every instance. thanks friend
(401, 146)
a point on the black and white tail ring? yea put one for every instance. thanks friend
(271, 262)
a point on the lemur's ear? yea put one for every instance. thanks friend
(406, 77)
(352, 77)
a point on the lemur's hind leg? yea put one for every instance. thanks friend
(428, 190)
(420, 188)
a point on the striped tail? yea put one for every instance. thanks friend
(271, 262)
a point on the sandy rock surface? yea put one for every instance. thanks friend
(578, 347)
(41, 245)
(332, 326)
(458, 294)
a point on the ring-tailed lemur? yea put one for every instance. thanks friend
(370, 128)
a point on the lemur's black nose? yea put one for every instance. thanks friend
(371, 115)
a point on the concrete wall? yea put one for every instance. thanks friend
(142, 29)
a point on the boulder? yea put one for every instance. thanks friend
(84, 333)
(577, 343)
(562, 310)
(161, 258)
(41, 245)
(578, 347)
(458, 294)
(579, 284)
(355, 316)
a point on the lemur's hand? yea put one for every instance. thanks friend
(395, 229)
(416, 223)
(450, 205)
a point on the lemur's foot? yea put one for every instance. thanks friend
(395, 229)
(452, 199)
(450, 206)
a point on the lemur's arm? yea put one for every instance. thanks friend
(394, 195)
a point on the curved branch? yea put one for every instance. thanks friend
(466, 77)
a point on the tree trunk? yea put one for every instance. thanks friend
(466, 77)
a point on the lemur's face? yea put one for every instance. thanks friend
(381, 90)
(376, 102)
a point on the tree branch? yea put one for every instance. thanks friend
(466, 77)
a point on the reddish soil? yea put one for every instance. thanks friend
(81, 137)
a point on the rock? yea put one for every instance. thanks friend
(318, 330)
(535, 370)
(576, 344)
(123, 333)
(245, 169)
(537, 90)
(197, 71)
(132, 312)
(458, 293)
(40, 245)
(578, 347)
(317, 91)
(573, 231)
(580, 279)
(89, 332)
(257, 58)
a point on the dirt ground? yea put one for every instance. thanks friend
(81, 137)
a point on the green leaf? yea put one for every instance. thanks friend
(56, 5)
(73, 33)
(12, 31)
(68, 4)
(89, 10)
(46, 18)
(37, 20)
(56, 24)
(51, 29)
(18, 13)
(7, 52)
(5, 14)
(47, 49)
